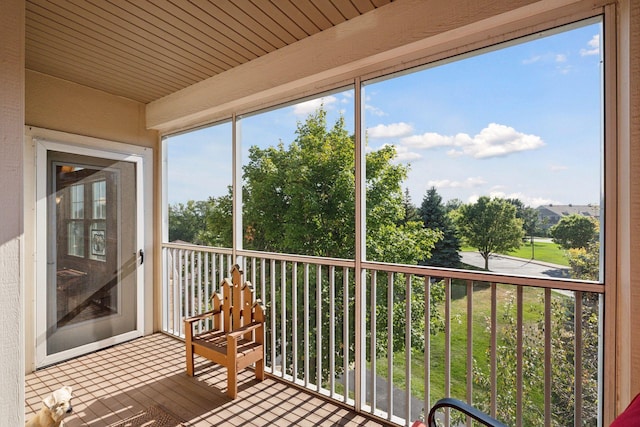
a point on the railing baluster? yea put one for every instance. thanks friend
(519, 357)
(294, 321)
(253, 278)
(577, 317)
(319, 327)
(176, 292)
(345, 332)
(390, 278)
(447, 345)
(407, 350)
(547, 357)
(263, 280)
(332, 331)
(373, 389)
(493, 351)
(207, 281)
(183, 297)
(469, 345)
(427, 344)
(165, 288)
(283, 315)
(306, 325)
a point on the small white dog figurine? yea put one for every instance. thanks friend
(55, 407)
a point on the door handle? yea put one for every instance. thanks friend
(141, 254)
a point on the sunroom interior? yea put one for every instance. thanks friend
(116, 86)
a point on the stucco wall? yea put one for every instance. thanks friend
(11, 228)
(57, 104)
(62, 106)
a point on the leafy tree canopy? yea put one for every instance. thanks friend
(301, 198)
(574, 231)
(529, 216)
(205, 222)
(490, 225)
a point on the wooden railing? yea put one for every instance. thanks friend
(512, 345)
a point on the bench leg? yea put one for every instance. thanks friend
(189, 360)
(232, 380)
(260, 369)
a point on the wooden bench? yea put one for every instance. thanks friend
(232, 333)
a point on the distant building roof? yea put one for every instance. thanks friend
(565, 210)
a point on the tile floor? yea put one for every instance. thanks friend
(119, 382)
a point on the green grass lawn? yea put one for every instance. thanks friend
(542, 251)
(533, 308)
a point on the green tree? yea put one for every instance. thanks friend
(506, 359)
(446, 252)
(490, 225)
(186, 221)
(453, 205)
(530, 221)
(562, 366)
(300, 198)
(585, 262)
(218, 218)
(411, 213)
(204, 222)
(574, 231)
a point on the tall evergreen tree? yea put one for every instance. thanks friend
(433, 212)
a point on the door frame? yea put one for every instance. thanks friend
(42, 142)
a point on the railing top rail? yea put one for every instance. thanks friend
(418, 270)
(485, 276)
(194, 247)
(305, 259)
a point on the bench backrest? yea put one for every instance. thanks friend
(236, 304)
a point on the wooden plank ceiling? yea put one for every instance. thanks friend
(146, 49)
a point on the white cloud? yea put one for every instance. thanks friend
(531, 201)
(433, 140)
(493, 141)
(560, 57)
(404, 155)
(594, 46)
(393, 130)
(374, 110)
(308, 107)
(470, 182)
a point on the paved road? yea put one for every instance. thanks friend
(510, 265)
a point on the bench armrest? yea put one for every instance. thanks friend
(243, 330)
(202, 316)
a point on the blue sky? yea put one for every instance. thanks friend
(521, 121)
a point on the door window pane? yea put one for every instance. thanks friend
(75, 237)
(76, 192)
(99, 192)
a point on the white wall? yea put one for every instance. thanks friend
(11, 229)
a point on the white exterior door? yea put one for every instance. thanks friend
(90, 239)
